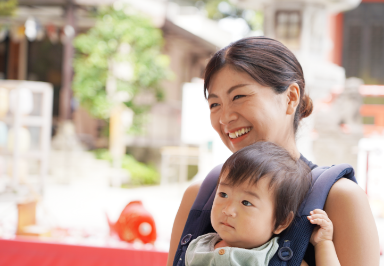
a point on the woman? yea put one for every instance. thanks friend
(256, 91)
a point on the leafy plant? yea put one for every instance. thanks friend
(8, 7)
(141, 173)
(120, 36)
(102, 154)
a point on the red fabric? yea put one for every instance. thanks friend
(29, 253)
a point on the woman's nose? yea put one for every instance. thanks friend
(227, 115)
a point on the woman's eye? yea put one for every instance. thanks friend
(223, 195)
(213, 105)
(246, 203)
(238, 97)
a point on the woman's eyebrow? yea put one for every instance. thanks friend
(236, 87)
(211, 95)
(231, 89)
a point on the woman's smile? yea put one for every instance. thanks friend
(238, 139)
(238, 134)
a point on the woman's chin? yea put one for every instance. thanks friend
(239, 143)
(236, 147)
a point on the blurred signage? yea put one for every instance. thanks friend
(195, 118)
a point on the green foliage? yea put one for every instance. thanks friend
(218, 9)
(192, 171)
(141, 174)
(213, 11)
(103, 45)
(8, 7)
(255, 20)
(102, 154)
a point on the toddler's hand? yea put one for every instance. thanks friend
(324, 230)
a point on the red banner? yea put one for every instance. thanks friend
(30, 253)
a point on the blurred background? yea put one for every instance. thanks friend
(101, 104)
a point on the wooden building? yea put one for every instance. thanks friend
(49, 59)
(358, 37)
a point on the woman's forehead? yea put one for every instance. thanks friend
(229, 76)
(226, 80)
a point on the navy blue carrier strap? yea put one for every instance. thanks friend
(294, 242)
(297, 236)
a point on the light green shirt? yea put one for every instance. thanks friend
(201, 252)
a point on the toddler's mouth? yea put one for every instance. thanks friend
(226, 224)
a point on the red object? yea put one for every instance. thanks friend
(33, 253)
(135, 222)
(336, 34)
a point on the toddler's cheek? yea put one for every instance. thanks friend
(214, 218)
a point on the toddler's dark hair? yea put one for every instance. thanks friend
(289, 178)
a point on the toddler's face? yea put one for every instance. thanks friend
(243, 215)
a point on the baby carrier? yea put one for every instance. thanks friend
(294, 243)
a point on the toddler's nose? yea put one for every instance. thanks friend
(230, 210)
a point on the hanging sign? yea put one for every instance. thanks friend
(52, 33)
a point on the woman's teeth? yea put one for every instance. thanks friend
(239, 133)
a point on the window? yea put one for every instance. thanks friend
(288, 28)
(363, 45)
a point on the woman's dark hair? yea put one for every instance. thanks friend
(269, 63)
(289, 179)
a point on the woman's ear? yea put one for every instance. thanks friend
(285, 224)
(293, 98)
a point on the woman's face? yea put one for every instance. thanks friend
(244, 112)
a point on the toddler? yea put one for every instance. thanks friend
(258, 194)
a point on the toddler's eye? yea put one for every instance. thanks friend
(246, 203)
(223, 195)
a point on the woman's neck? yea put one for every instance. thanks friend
(290, 145)
(294, 152)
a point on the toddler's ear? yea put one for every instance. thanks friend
(285, 224)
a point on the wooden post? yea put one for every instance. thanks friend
(67, 71)
(23, 59)
(366, 174)
(13, 60)
(116, 136)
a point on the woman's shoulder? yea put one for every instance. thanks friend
(347, 187)
(206, 187)
(345, 192)
(355, 235)
(190, 194)
(348, 208)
